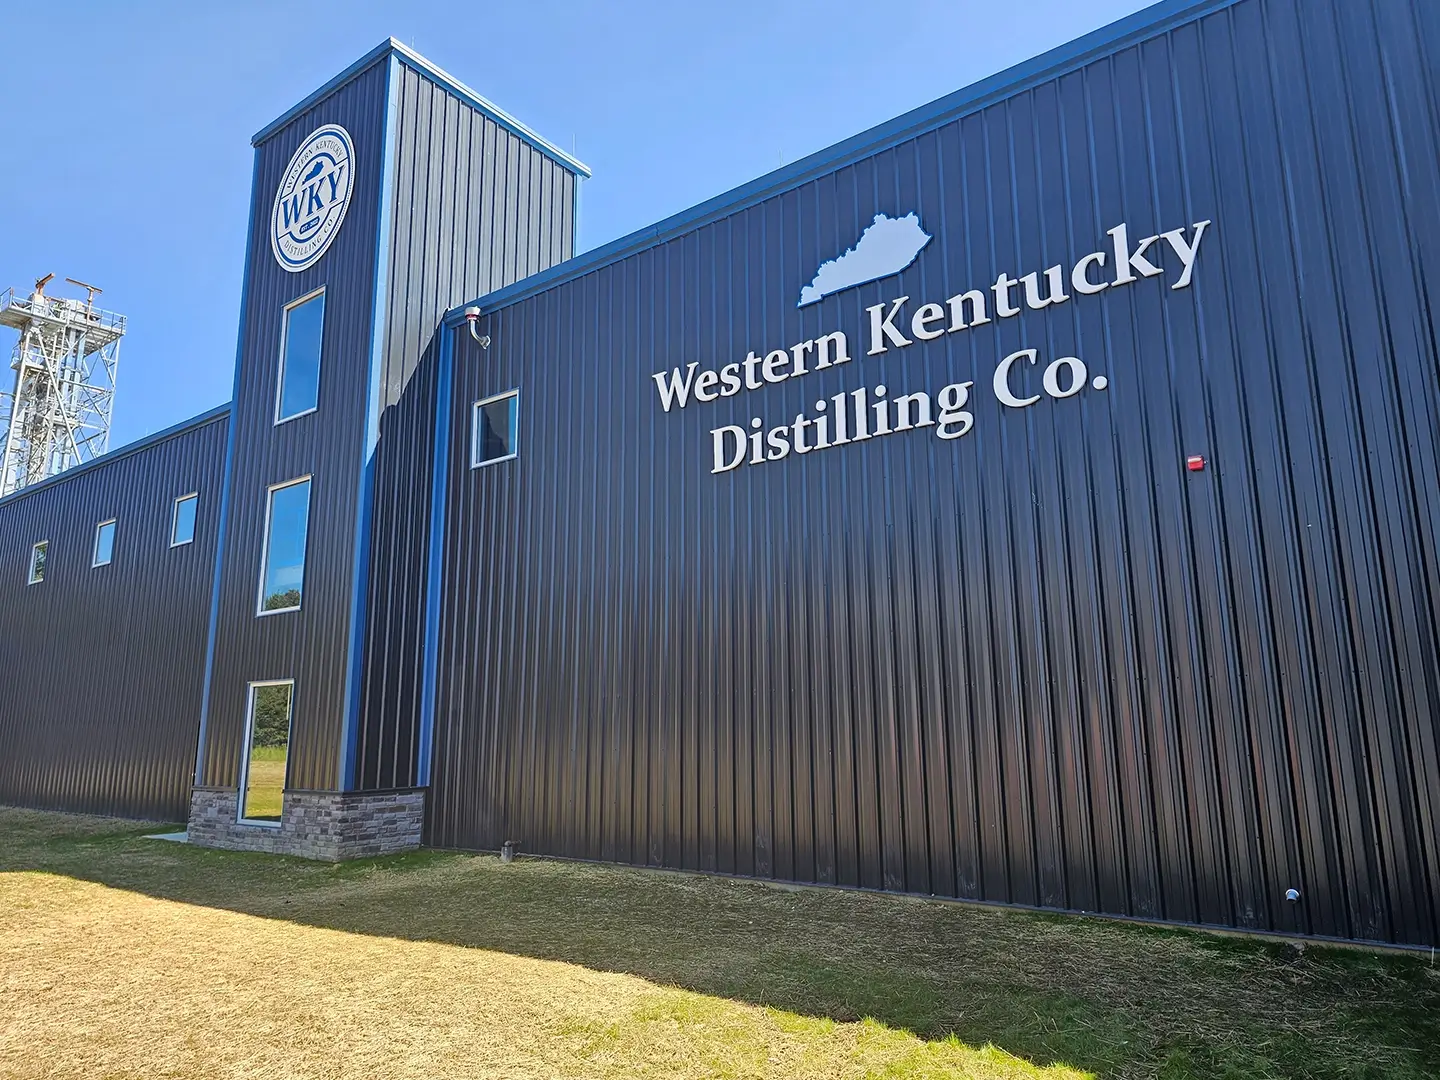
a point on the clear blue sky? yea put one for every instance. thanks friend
(126, 156)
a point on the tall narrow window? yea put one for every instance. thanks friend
(494, 429)
(267, 746)
(104, 543)
(37, 562)
(283, 579)
(300, 335)
(182, 522)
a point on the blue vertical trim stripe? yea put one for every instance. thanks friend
(439, 475)
(359, 593)
(228, 473)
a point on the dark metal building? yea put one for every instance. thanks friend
(450, 196)
(1032, 500)
(104, 664)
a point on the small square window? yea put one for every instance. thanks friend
(287, 523)
(494, 429)
(37, 562)
(104, 543)
(182, 522)
(267, 745)
(298, 391)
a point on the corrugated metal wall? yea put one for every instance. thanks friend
(104, 666)
(310, 645)
(1042, 664)
(476, 207)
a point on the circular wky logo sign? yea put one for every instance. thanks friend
(314, 193)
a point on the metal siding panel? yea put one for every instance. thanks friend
(106, 665)
(446, 246)
(1042, 665)
(310, 645)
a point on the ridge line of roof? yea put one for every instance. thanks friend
(209, 416)
(437, 75)
(1147, 22)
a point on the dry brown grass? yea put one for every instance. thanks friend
(121, 957)
(104, 982)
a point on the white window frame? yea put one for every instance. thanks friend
(95, 562)
(34, 550)
(240, 818)
(280, 364)
(175, 518)
(475, 463)
(260, 611)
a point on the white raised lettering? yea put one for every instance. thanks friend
(903, 419)
(828, 345)
(952, 401)
(773, 362)
(703, 384)
(882, 329)
(1125, 260)
(924, 316)
(976, 299)
(1002, 380)
(675, 390)
(1055, 290)
(717, 435)
(1003, 307)
(1077, 377)
(1176, 239)
(798, 352)
(1080, 280)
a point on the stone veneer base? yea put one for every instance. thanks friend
(326, 825)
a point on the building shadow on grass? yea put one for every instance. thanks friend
(1097, 996)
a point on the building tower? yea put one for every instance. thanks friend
(58, 414)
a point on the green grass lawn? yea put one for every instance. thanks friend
(265, 783)
(121, 957)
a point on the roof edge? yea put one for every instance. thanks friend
(325, 89)
(437, 75)
(1147, 22)
(143, 443)
(490, 109)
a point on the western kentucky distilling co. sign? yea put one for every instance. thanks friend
(886, 247)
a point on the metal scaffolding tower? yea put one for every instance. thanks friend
(58, 414)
